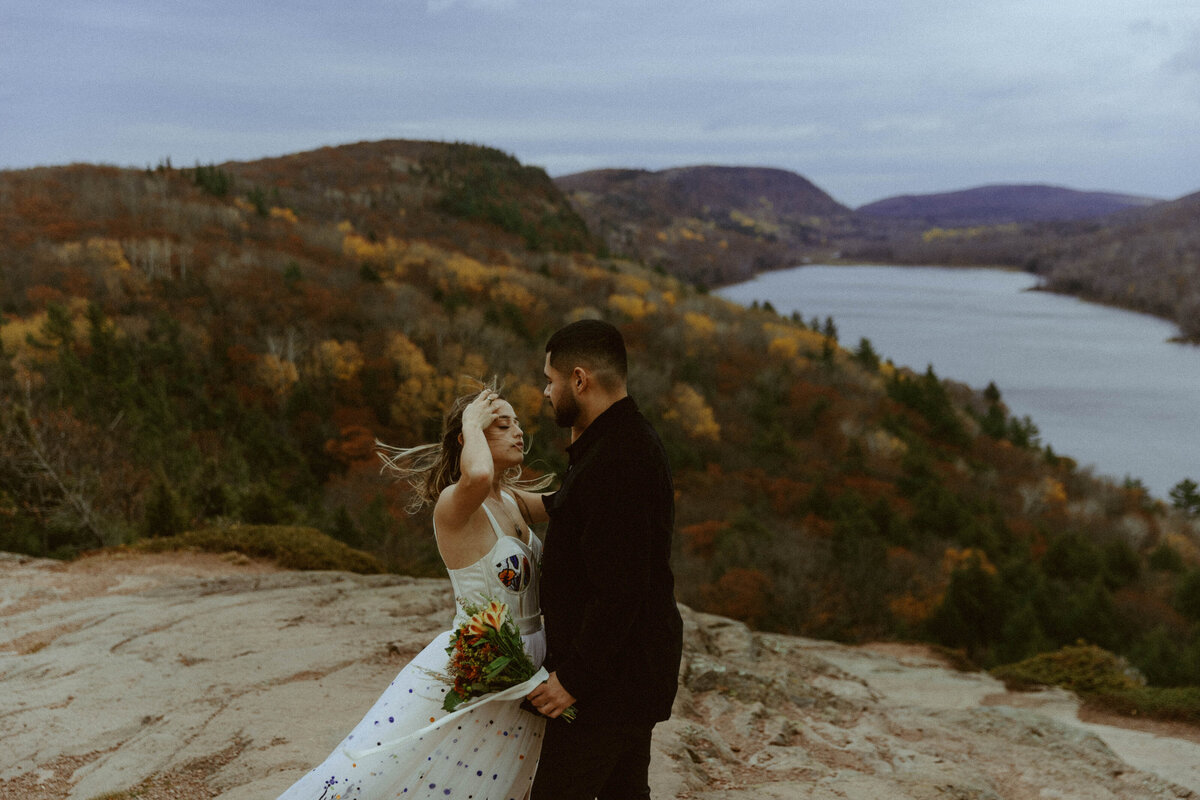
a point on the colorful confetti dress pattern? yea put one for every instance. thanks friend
(407, 747)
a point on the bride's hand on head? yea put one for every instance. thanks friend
(483, 411)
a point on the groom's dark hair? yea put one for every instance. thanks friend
(593, 344)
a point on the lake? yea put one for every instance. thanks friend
(1104, 386)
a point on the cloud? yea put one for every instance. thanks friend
(865, 98)
(1146, 27)
(1186, 60)
(440, 6)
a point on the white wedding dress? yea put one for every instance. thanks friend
(408, 747)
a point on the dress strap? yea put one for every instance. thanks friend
(495, 525)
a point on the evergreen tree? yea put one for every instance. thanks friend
(1187, 595)
(865, 354)
(1121, 564)
(1167, 558)
(344, 529)
(1022, 636)
(163, 516)
(972, 612)
(1094, 617)
(1185, 496)
(212, 180)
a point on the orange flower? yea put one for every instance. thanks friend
(493, 616)
(475, 626)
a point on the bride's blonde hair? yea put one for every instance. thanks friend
(430, 468)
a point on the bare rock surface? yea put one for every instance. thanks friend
(201, 676)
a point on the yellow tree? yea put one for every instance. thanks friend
(277, 374)
(631, 306)
(693, 413)
(419, 392)
(339, 360)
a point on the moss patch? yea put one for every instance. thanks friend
(289, 546)
(1104, 682)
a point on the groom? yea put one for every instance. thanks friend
(612, 627)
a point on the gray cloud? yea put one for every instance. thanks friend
(867, 99)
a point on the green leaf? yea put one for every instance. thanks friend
(453, 700)
(497, 666)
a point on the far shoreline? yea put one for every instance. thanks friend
(1179, 338)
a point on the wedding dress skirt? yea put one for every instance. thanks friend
(408, 747)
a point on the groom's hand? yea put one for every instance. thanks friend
(550, 698)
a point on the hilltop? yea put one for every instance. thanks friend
(710, 224)
(1002, 204)
(188, 351)
(189, 676)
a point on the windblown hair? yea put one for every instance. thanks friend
(430, 468)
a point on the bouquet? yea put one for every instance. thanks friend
(486, 655)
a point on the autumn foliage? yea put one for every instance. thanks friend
(220, 347)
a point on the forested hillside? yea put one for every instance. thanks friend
(1148, 261)
(194, 348)
(710, 225)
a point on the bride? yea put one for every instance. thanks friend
(407, 746)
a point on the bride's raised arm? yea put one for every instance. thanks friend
(461, 499)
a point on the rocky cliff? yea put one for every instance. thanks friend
(195, 676)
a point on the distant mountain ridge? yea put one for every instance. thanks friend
(1004, 203)
(711, 224)
(717, 225)
(721, 224)
(704, 189)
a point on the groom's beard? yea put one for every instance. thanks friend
(566, 410)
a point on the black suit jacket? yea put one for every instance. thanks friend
(613, 629)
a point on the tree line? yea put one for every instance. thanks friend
(244, 377)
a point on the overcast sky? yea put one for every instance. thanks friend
(866, 98)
